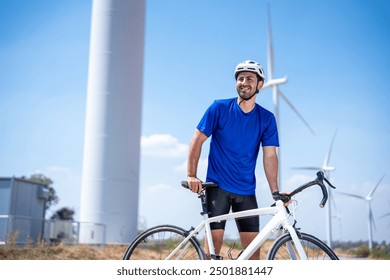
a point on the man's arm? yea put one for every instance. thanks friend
(270, 163)
(195, 150)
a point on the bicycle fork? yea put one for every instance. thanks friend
(295, 241)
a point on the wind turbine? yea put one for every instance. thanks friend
(326, 168)
(276, 92)
(370, 216)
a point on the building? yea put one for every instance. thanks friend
(22, 210)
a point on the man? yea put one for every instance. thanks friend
(238, 126)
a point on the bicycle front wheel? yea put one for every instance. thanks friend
(284, 248)
(158, 242)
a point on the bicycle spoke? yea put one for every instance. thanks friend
(159, 242)
(284, 249)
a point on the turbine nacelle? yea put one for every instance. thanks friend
(323, 168)
(328, 168)
(275, 82)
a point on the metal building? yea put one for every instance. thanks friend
(22, 210)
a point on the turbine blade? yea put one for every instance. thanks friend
(352, 195)
(376, 186)
(295, 110)
(385, 215)
(308, 168)
(327, 158)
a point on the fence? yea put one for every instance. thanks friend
(22, 230)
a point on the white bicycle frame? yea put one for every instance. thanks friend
(279, 219)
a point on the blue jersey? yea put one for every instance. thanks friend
(235, 143)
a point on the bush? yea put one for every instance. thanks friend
(361, 251)
(381, 252)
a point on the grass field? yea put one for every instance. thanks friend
(62, 252)
(116, 252)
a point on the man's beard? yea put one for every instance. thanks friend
(246, 96)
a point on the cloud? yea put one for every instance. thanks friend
(163, 145)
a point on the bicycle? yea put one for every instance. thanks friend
(169, 242)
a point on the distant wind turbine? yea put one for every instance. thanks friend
(326, 168)
(274, 84)
(370, 216)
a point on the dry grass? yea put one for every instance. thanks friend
(68, 252)
(87, 252)
(76, 252)
(62, 252)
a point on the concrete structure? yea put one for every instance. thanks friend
(110, 180)
(22, 210)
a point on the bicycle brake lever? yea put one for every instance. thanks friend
(330, 185)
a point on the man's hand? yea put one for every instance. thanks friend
(194, 184)
(283, 196)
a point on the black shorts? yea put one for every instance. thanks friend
(219, 202)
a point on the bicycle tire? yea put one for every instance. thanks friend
(158, 242)
(315, 249)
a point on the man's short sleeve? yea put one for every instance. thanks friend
(209, 120)
(270, 136)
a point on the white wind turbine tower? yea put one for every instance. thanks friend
(276, 93)
(338, 217)
(326, 168)
(370, 216)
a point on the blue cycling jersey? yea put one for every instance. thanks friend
(235, 143)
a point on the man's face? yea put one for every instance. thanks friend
(246, 84)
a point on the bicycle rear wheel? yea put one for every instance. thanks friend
(158, 242)
(284, 249)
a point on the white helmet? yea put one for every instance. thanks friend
(250, 66)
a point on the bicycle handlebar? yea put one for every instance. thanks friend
(318, 181)
(205, 185)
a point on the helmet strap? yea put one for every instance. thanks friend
(246, 99)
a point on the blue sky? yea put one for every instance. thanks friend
(334, 53)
